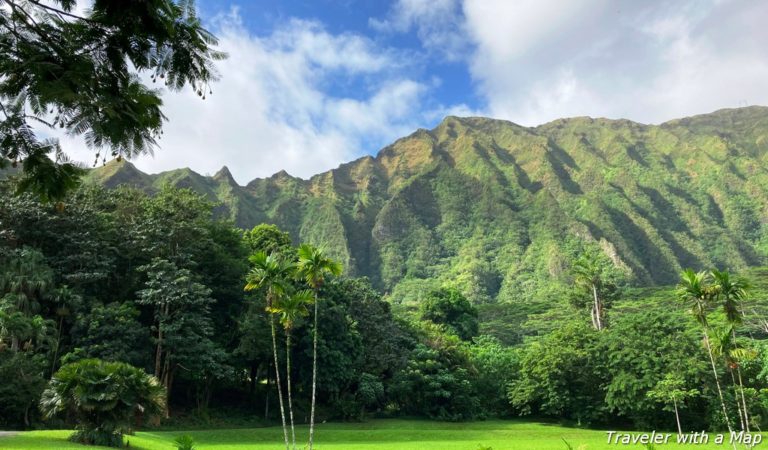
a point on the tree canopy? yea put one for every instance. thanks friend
(83, 72)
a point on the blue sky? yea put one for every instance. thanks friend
(311, 84)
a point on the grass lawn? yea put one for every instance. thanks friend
(373, 435)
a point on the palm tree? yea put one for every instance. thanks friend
(588, 276)
(272, 274)
(104, 398)
(290, 309)
(730, 293)
(313, 268)
(64, 298)
(24, 279)
(693, 290)
(723, 346)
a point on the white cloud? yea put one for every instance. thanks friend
(438, 25)
(648, 62)
(532, 61)
(275, 106)
(305, 100)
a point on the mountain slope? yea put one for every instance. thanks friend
(499, 210)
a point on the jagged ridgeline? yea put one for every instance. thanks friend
(499, 209)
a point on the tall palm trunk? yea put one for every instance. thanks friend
(277, 381)
(736, 394)
(743, 398)
(288, 381)
(266, 400)
(717, 381)
(314, 377)
(741, 388)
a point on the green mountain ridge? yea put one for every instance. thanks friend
(499, 210)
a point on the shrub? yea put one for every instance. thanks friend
(185, 442)
(103, 397)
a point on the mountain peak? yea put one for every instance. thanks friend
(282, 175)
(225, 175)
(116, 172)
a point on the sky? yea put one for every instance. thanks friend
(311, 84)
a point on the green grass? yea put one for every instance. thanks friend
(373, 435)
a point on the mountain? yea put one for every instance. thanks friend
(499, 210)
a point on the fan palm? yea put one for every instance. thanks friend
(104, 397)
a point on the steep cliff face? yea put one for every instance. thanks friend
(499, 209)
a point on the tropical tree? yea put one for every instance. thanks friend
(449, 307)
(672, 390)
(65, 299)
(104, 398)
(313, 267)
(730, 293)
(267, 238)
(694, 290)
(291, 308)
(111, 332)
(272, 274)
(25, 279)
(181, 313)
(80, 72)
(23, 375)
(596, 277)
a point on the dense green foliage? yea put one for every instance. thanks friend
(499, 211)
(449, 307)
(377, 435)
(488, 312)
(104, 398)
(59, 69)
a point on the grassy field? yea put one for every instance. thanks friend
(374, 435)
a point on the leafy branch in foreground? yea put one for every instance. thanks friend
(80, 73)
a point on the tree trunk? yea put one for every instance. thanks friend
(677, 418)
(277, 381)
(743, 399)
(58, 345)
(266, 400)
(314, 378)
(741, 388)
(159, 350)
(598, 309)
(167, 380)
(736, 393)
(717, 382)
(288, 383)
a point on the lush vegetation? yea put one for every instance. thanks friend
(104, 398)
(374, 435)
(261, 325)
(79, 71)
(499, 211)
(158, 282)
(593, 272)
